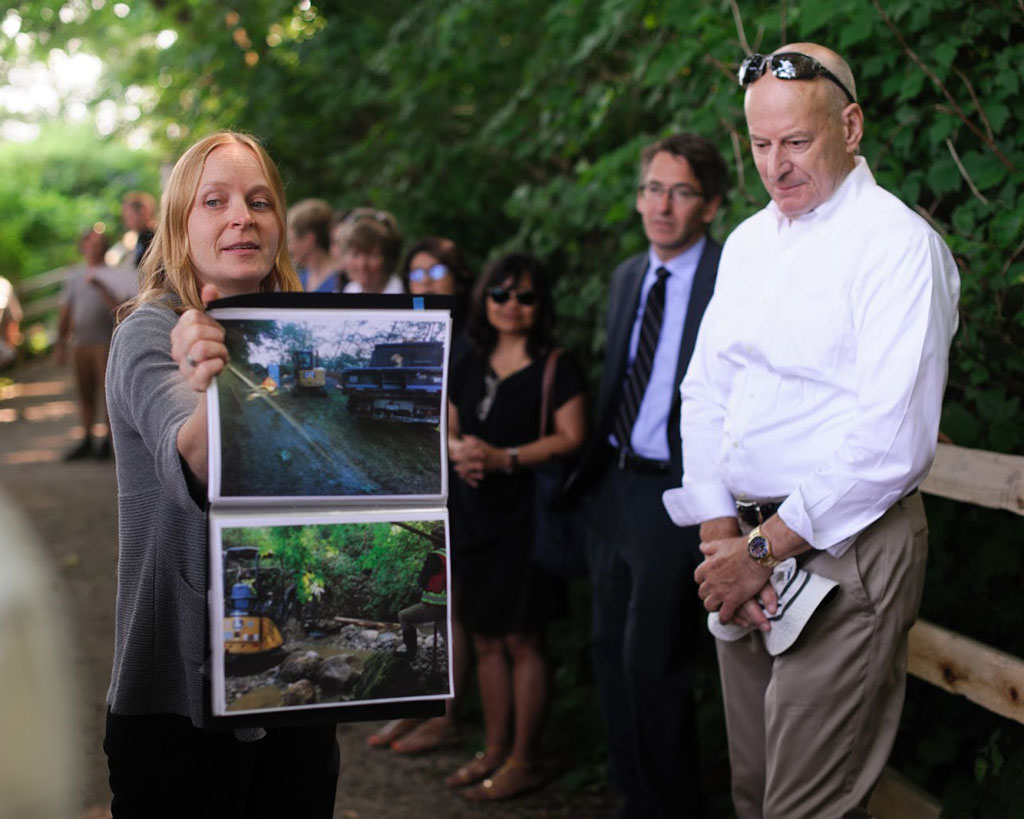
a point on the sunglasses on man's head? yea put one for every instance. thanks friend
(789, 65)
(435, 273)
(500, 295)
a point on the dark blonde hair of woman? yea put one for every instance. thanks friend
(167, 266)
(312, 215)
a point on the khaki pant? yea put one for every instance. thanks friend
(90, 368)
(810, 730)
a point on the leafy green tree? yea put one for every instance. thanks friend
(55, 188)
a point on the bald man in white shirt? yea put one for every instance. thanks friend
(810, 415)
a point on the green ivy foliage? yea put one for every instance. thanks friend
(365, 571)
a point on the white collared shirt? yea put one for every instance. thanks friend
(394, 285)
(649, 437)
(820, 365)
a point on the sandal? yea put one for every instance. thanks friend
(390, 732)
(483, 764)
(428, 736)
(511, 779)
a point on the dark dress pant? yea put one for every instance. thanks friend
(646, 625)
(162, 766)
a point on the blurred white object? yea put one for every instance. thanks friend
(10, 323)
(38, 744)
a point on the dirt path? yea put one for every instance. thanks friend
(72, 507)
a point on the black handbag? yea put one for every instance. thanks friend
(559, 544)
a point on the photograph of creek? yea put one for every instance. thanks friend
(355, 664)
(311, 614)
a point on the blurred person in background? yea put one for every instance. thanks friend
(504, 599)
(370, 244)
(646, 623)
(434, 265)
(309, 241)
(92, 292)
(39, 751)
(138, 213)
(336, 232)
(221, 233)
(10, 323)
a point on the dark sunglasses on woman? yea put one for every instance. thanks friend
(500, 295)
(435, 273)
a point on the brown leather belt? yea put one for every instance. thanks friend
(754, 513)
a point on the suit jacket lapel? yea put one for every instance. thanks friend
(617, 343)
(622, 306)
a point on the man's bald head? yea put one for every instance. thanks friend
(834, 63)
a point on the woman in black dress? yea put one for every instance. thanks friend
(494, 440)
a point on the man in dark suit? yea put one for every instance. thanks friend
(645, 612)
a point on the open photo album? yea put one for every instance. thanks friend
(328, 525)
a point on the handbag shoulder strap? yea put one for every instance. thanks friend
(547, 385)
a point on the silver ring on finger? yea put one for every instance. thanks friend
(190, 361)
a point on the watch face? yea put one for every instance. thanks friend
(758, 547)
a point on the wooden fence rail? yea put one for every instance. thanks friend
(986, 676)
(957, 664)
(34, 305)
(975, 476)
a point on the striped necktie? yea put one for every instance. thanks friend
(639, 372)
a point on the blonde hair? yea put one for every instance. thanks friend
(167, 267)
(312, 216)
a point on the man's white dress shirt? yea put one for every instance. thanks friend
(820, 365)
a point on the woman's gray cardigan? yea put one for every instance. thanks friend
(160, 638)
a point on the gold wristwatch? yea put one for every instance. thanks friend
(760, 549)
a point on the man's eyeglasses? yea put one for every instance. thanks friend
(500, 295)
(678, 193)
(789, 65)
(435, 273)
